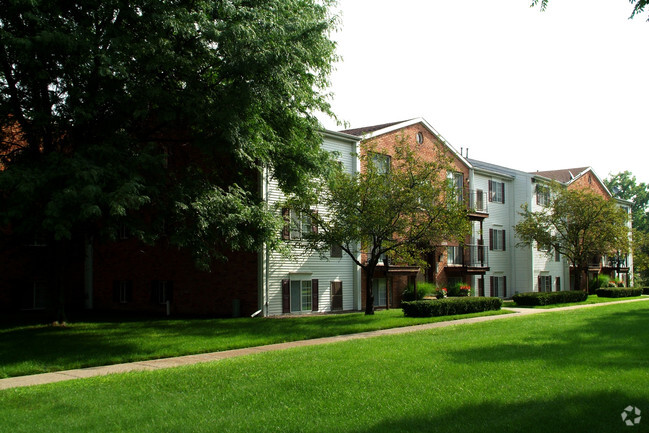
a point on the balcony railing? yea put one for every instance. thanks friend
(470, 256)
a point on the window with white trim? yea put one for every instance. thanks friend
(496, 191)
(34, 297)
(380, 292)
(381, 162)
(301, 295)
(497, 240)
(542, 195)
(545, 283)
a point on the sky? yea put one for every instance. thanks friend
(518, 87)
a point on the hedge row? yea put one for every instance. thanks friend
(450, 306)
(618, 292)
(645, 290)
(547, 298)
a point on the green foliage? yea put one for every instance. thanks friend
(601, 281)
(450, 306)
(618, 292)
(548, 298)
(639, 7)
(578, 223)
(645, 290)
(158, 115)
(423, 290)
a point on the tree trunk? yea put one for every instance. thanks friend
(61, 251)
(369, 293)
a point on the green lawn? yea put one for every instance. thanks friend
(592, 299)
(572, 371)
(38, 349)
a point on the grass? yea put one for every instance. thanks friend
(38, 349)
(567, 371)
(592, 299)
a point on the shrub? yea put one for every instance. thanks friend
(423, 289)
(547, 298)
(441, 293)
(450, 306)
(618, 292)
(596, 283)
(645, 290)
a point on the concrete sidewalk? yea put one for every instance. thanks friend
(155, 364)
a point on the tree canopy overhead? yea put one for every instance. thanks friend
(156, 114)
(579, 224)
(400, 207)
(638, 8)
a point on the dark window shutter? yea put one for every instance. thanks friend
(504, 286)
(286, 296)
(491, 191)
(481, 286)
(314, 295)
(503, 187)
(504, 244)
(491, 239)
(491, 286)
(116, 291)
(336, 295)
(539, 283)
(558, 284)
(286, 230)
(314, 223)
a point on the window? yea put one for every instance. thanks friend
(454, 255)
(161, 292)
(381, 162)
(497, 240)
(297, 224)
(542, 195)
(557, 284)
(34, 296)
(122, 291)
(557, 255)
(336, 251)
(379, 289)
(496, 191)
(498, 286)
(456, 180)
(301, 295)
(545, 283)
(420, 138)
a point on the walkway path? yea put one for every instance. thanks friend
(155, 364)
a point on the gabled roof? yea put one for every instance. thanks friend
(384, 128)
(566, 175)
(369, 129)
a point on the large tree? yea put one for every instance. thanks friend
(400, 207)
(577, 223)
(155, 116)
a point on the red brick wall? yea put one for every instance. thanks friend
(194, 291)
(589, 181)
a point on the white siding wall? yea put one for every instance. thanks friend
(308, 265)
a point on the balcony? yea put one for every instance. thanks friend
(468, 259)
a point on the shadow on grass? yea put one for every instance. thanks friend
(591, 413)
(116, 339)
(617, 338)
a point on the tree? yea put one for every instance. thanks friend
(577, 223)
(156, 115)
(625, 186)
(400, 207)
(639, 7)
